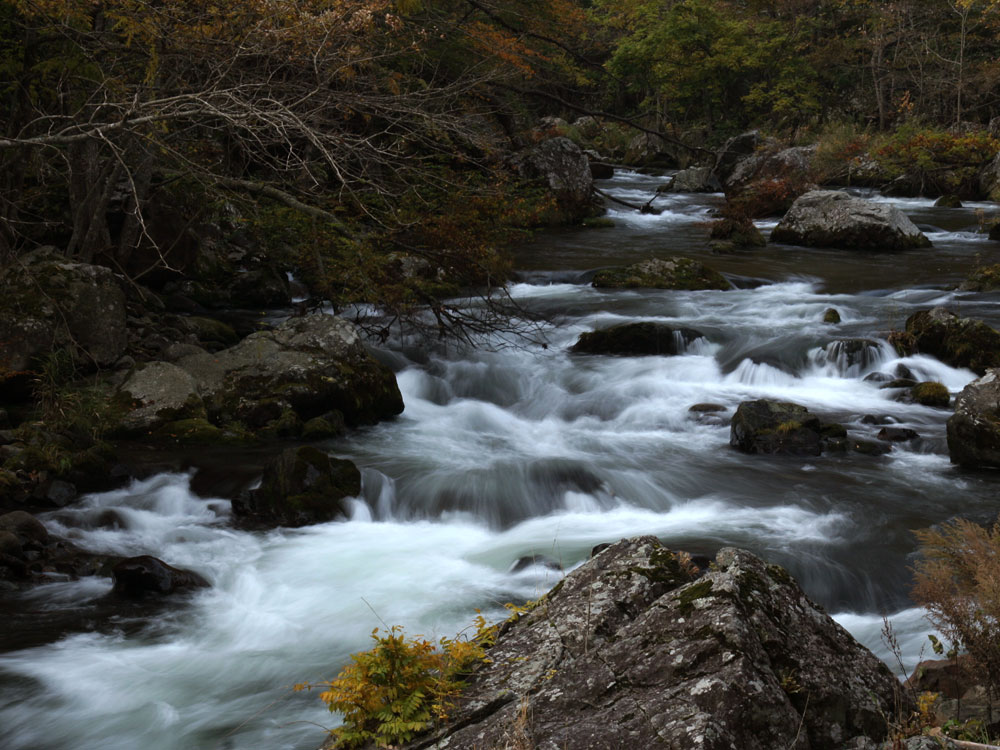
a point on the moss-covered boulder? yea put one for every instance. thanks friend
(948, 201)
(831, 316)
(301, 486)
(959, 342)
(636, 339)
(930, 393)
(777, 427)
(728, 235)
(672, 273)
(49, 303)
(974, 428)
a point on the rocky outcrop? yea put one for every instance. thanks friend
(831, 218)
(301, 486)
(695, 180)
(636, 339)
(633, 650)
(564, 169)
(974, 428)
(959, 342)
(308, 367)
(673, 273)
(138, 577)
(49, 303)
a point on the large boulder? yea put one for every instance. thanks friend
(831, 218)
(959, 342)
(785, 164)
(301, 486)
(974, 428)
(313, 365)
(49, 303)
(632, 650)
(138, 577)
(655, 273)
(648, 150)
(636, 338)
(737, 150)
(564, 169)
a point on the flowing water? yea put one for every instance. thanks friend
(532, 451)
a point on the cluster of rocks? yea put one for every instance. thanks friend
(638, 647)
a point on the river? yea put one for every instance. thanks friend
(531, 451)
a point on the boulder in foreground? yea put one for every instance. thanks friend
(831, 218)
(632, 650)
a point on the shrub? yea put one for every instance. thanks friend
(958, 582)
(937, 159)
(402, 686)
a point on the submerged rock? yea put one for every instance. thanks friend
(673, 273)
(636, 338)
(634, 649)
(982, 279)
(959, 342)
(137, 577)
(301, 486)
(974, 428)
(831, 218)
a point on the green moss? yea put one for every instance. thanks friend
(831, 316)
(833, 430)
(688, 595)
(779, 575)
(598, 222)
(786, 427)
(930, 394)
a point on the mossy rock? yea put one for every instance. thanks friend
(982, 279)
(212, 331)
(775, 427)
(931, 394)
(199, 431)
(831, 316)
(300, 486)
(673, 273)
(598, 222)
(734, 234)
(322, 428)
(288, 425)
(959, 342)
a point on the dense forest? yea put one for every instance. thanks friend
(349, 130)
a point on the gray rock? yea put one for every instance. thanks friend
(770, 165)
(738, 149)
(561, 166)
(160, 393)
(989, 179)
(315, 363)
(775, 427)
(695, 180)
(138, 577)
(24, 525)
(831, 218)
(648, 150)
(631, 650)
(974, 428)
(48, 302)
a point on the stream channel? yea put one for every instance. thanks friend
(532, 451)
